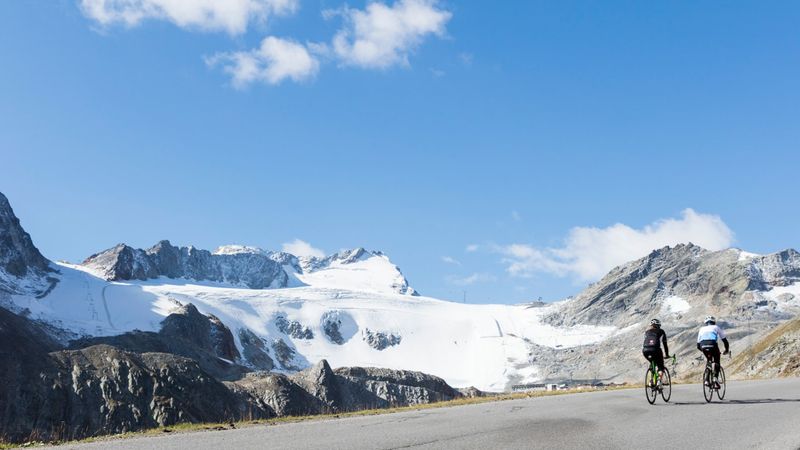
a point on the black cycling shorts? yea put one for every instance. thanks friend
(711, 351)
(654, 354)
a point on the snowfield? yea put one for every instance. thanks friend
(486, 346)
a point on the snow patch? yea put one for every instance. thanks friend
(747, 256)
(675, 305)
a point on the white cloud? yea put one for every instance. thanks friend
(473, 279)
(466, 58)
(272, 62)
(381, 36)
(471, 248)
(451, 260)
(232, 16)
(589, 253)
(302, 248)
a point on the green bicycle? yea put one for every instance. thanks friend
(655, 384)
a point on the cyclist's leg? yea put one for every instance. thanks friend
(707, 353)
(659, 357)
(649, 354)
(716, 354)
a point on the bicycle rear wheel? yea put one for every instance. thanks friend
(708, 385)
(649, 389)
(666, 386)
(721, 390)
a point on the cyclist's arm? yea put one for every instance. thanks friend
(664, 341)
(724, 338)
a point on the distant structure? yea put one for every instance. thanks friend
(530, 387)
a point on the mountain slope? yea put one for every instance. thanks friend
(776, 354)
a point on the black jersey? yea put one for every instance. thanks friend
(653, 338)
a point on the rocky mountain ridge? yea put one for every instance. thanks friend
(235, 265)
(725, 283)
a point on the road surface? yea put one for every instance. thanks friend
(755, 414)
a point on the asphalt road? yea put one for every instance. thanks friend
(755, 414)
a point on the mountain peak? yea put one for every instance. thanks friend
(235, 249)
(22, 266)
(355, 269)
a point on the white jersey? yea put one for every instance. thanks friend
(710, 333)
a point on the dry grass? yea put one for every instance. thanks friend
(790, 327)
(195, 427)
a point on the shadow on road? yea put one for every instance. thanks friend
(742, 402)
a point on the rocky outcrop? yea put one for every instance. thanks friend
(381, 340)
(320, 389)
(250, 269)
(399, 387)
(24, 352)
(338, 326)
(23, 270)
(185, 332)
(51, 394)
(293, 328)
(285, 355)
(777, 269)
(255, 351)
(105, 390)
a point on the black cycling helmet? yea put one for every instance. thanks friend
(655, 323)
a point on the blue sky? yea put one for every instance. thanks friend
(482, 132)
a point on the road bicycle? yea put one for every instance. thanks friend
(711, 383)
(655, 384)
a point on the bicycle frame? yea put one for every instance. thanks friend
(654, 369)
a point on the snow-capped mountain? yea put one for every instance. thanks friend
(355, 308)
(251, 267)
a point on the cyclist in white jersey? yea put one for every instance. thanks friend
(707, 341)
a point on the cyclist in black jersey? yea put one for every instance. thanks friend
(651, 349)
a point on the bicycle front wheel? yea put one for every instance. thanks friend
(666, 386)
(650, 389)
(708, 385)
(721, 390)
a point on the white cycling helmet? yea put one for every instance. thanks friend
(710, 319)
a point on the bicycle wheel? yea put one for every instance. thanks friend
(649, 389)
(708, 385)
(721, 390)
(666, 386)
